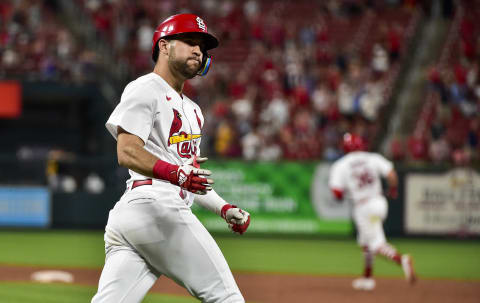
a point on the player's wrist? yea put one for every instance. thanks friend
(165, 171)
(225, 208)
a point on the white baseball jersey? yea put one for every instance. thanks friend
(358, 175)
(169, 124)
(152, 231)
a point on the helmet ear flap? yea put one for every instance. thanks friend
(206, 63)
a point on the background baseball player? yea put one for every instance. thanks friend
(358, 176)
(151, 231)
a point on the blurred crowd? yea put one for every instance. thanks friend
(448, 129)
(289, 78)
(36, 45)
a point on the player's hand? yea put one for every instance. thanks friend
(191, 177)
(238, 219)
(392, 192)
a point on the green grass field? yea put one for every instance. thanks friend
(445, 259)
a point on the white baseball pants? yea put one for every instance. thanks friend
(148, 235)
(368, 218)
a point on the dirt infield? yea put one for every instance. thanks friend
(269, 288)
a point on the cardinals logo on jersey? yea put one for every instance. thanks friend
(176, 125)
(186, 143)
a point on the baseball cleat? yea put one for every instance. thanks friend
(366, 284)
(407, 266)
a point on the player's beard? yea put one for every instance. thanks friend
(181, 66)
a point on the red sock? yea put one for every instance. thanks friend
(389, 252)
(368, 258)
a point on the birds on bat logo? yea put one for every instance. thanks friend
(186, 143)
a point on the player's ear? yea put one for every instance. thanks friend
(164, 47)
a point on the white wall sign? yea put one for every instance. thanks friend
(443, 203)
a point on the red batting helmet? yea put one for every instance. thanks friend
(181, 24)
(353, 142)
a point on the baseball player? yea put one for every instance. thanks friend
(358, 176)
(152, 231)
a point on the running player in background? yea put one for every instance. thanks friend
(152, 231)
(357, 175)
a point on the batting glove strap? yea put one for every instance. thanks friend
(224, 210)
(162, 170)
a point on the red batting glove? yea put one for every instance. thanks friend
(238, 220)
(188, 176)
(338, 194)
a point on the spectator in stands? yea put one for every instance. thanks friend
(394, 41)
(276, 33)
(371, 101)
(474, 137)
(439, 150)
(473, 75)
(333, 146)
(251, 144)
(359, 96)
(145, 34)
(242, 110)
(461, 157)
(275, 115)
(238, 87)
(438, 84)
(397, 149)
(467, 32)
(251, 9)
(227, 141)
(345, 98)
(270, 150)
(417, 146)
(380, 61)
(322, 99)
(305, 135)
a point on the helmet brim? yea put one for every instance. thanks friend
(209, 39)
